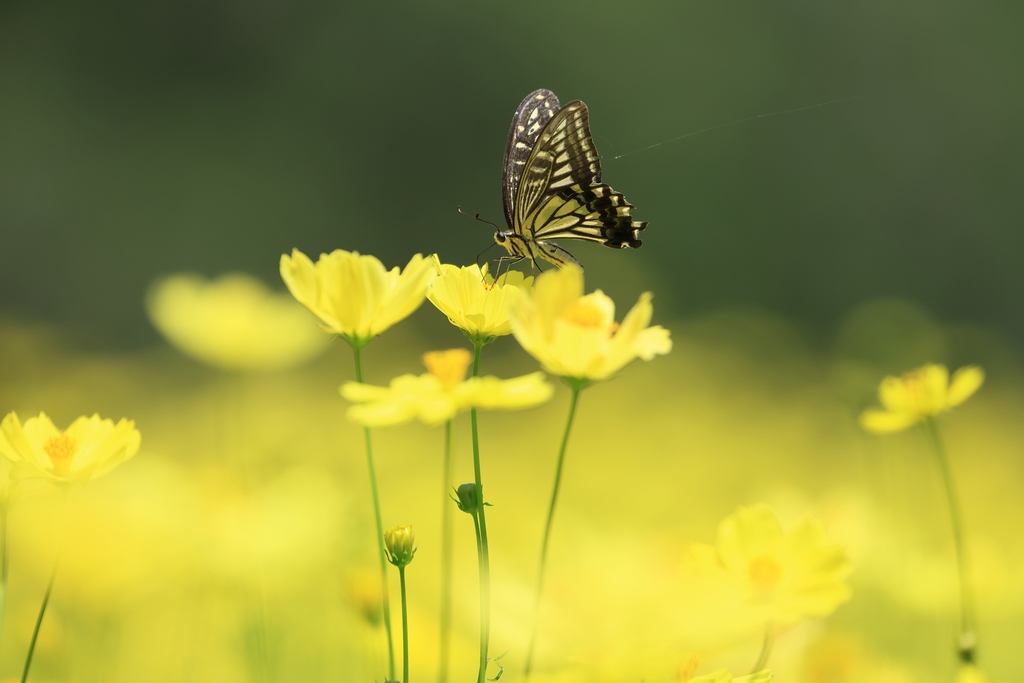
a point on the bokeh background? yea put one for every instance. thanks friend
(796, 258)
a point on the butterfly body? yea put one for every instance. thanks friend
(551, 185)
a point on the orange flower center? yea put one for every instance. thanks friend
(61, 449)
(585, 313)
(687, 667)
(450, 366)
(764, 573)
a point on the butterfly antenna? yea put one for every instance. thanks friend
(477, 216)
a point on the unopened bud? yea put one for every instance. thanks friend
(467, 498)
(401, 544)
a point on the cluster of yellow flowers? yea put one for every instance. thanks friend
(772, 575)
(779, 576)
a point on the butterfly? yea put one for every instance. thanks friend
(551, 185)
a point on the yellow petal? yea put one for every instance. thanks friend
(885, 422)
(491, 393)
(750, 532)
(969, 673)
(406, 295)
(634, 339)
(720, 676)
(964, 383)
(299, 276)
(104, 446)
(816, 571)
(13, 443)
(555, 291)
(234, 322)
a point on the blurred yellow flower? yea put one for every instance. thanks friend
(363, 589)
(401, 544)
(723, 676)
(781, 576)
(575, 335)
(440, 394)
(234, 322)
(969, 673)
(919, 394)
(352, 294)
(89, 448)
(474, 302)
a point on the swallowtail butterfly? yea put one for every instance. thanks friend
(551, 185)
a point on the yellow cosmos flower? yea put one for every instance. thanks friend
(782, 576)
(474, 302)
(920, 394)
(443, 392)
(89, 448)
(723, 676)
(234, 322)
(575, 335)
(352, 294)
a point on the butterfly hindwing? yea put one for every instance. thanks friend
(529, 121)
(595, 214)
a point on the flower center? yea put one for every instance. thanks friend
(922, 393)
(687, 667)
(61, 449)
(764, 573)
(585, 313)
(450, 366)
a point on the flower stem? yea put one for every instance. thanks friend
(484, 553)
(39, 620)
(968, 638)
(405, 628)
(766, 648)
(446, 559)
(386, 603)
(576, 386)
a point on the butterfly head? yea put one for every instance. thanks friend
(514, 244)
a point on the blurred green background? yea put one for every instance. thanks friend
(141, 138)
(796, 259)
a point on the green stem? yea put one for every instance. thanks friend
(39, 620)
(766, 648)
(386, 603)
(968, 638)
(405, 628)
(576, 386)
(446, 558)
(484, 553)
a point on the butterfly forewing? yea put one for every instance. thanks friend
(552, 185)
(530, 119)
(562, 156)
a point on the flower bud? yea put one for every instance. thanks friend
(400, 543)
(467, 498)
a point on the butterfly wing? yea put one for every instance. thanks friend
(560, 193)
(529, 121)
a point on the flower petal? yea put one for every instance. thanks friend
(886, 422)
(491, 393)
(964, 383)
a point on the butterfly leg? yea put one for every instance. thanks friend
(506, 260)
(556, 254)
